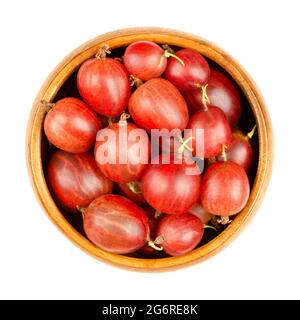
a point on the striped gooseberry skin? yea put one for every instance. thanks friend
(180, 234)
(190, 76)
(216, 131)
(71, 125)
(226, 188)
(116, 224)
(157, 104)
(104, 85)
(167, 186)
(76, 180)
(222, 93)
(239, 150)
(145, 60)
(122, 141)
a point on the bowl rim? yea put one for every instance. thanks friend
(121, 38)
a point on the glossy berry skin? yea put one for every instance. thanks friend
(180, 233)
(153, 223)
(157, 104)
(225, 188)
(116, 224)
(71, 125)
(133, 166)
(198, 211)
(145, 60)
(76, 180)
(239, 150)
(167, 187)
(104, 85)
(222, 93)
(192, 75)
(216, 131)
(136, 197)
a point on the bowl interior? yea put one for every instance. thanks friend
(69, 89)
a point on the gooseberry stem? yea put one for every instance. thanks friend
(169, 54)
(251, 133)
(123, 118)
(224, 155)
(134, 81)
(157, 214)
(47, 105)
(206, 226)
(168, 48)
(157, 243)
(154, 246)
(101, 54)
(184, 144)
(81, 210)
(223, 220)
(133, 187)
(205, 98)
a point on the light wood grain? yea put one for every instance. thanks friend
(123, 38)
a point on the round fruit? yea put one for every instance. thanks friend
(221, 93)
(157, 104)
(168, 187)
(71, 125)
(153, 223)
(76, 180)
(198, 211)
(225, 188)
(239, 149)
(122, 151)
(145, 60)
(115, 224)
(103, 83)
(190, 76)
(179, 234)
(216, 131)
(132, 190)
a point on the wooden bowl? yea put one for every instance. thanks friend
(61, 82)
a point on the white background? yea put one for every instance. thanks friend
(37, 261)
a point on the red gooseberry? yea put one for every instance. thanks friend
(168, 187)
(103, 83)
(225, 188)
(240, 149)
(76, 180)
(122, 151)
(179, 234)
(216, 131)
(146, 60)
(157, 104)
(71, 125)
(192, 74)
(116, 224)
